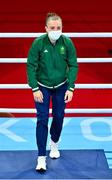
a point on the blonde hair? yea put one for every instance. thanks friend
(52, 16)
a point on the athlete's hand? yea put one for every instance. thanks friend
(68, 96)
(38, 96)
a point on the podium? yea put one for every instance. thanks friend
(73, 164)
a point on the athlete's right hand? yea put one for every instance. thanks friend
(38, 96)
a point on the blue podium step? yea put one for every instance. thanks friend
(73, 164)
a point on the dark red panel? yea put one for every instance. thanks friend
(86, 47)
(78, 16)
(21, 16)
(13, 73)
(88, 73)
(95, 73)
(82, 99)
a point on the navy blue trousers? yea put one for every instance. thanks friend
(58, 110)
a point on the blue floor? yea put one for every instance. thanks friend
(78, 133)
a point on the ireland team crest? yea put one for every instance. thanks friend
(62, 50)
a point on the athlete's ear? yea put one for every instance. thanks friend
(46, 28)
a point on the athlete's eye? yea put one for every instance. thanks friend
(52, 28)
(58, 28)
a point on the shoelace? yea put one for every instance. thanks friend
(54, 146)
(42, 159)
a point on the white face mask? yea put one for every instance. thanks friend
(54, 35)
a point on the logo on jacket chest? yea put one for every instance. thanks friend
(62, 50)
(45, 51)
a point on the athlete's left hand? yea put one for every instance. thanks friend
(68, 96)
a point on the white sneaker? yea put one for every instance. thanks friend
(41, 163)
(54, 152)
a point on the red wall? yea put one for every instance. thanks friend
(78, 16)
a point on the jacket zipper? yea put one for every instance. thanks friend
(54, 63)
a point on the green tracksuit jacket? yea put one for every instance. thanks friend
(51, 65)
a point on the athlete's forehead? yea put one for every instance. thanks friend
(52, 22)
